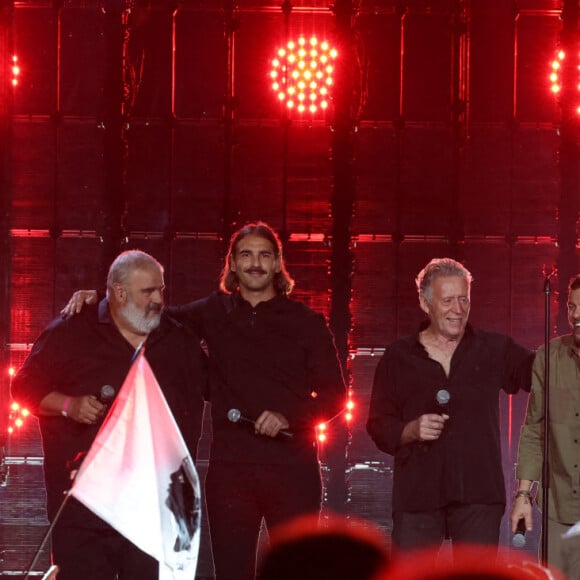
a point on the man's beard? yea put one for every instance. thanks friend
(138, 320)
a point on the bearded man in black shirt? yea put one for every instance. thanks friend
(448, 478)
(272, 361)
(69, 366)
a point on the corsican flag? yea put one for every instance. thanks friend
(139, 477)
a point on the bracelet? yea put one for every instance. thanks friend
(523, 493)
(65, 407)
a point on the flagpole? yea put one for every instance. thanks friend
(68, 494)
(51, 573)
(47, 535)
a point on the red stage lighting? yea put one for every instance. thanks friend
(555, 74)
(301, 75)
(15, 71)
(321, 432)
(556, 77)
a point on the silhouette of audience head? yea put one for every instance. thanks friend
(468, 563)
(336, 547)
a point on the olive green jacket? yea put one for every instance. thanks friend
(564, 434)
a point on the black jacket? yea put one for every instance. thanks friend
(464, 464)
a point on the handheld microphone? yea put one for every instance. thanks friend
(519, 538)
(235, 416)
(106, 394)
(443, 397)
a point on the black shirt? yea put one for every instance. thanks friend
(464, 464)
(277, 356)
(77, 356)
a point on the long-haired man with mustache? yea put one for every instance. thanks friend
(274, 360)
(60, 383)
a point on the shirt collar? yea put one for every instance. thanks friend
(240, 302)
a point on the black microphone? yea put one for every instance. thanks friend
(443, 397)
(106, 394)
(235, 416)
(519, 538)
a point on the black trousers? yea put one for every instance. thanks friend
(238, 495)
(99, 554)
(462, 523)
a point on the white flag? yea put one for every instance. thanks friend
(139, 477)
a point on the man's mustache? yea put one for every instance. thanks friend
(254, 271)
(154, 308)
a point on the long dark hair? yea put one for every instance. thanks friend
(283, 283)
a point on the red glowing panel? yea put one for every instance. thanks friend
(301, 75)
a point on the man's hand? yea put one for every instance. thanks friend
(77, 301)
(425, 428)
(522, 509)
(87, 409)
(270, 423)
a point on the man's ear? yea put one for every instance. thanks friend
(232, 262)
(120, 292)
(423, 304)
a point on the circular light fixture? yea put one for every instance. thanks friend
(304, 67)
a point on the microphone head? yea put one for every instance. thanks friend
(234, 415)
(519, 540)
(443, 396)
(107, 394)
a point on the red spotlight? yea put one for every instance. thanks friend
(349, 406)
(556, 79)
(304, 67)
(554, 75)
(15, 71)
(16, 417)
(321, 432)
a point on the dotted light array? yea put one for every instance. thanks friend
(15, 71)
(555, 75)
(301, 75)
(322, 428)
(17, 414)
(17, 417)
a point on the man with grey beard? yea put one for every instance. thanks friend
(72, 366)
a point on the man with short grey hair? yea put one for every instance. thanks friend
(434, 407)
